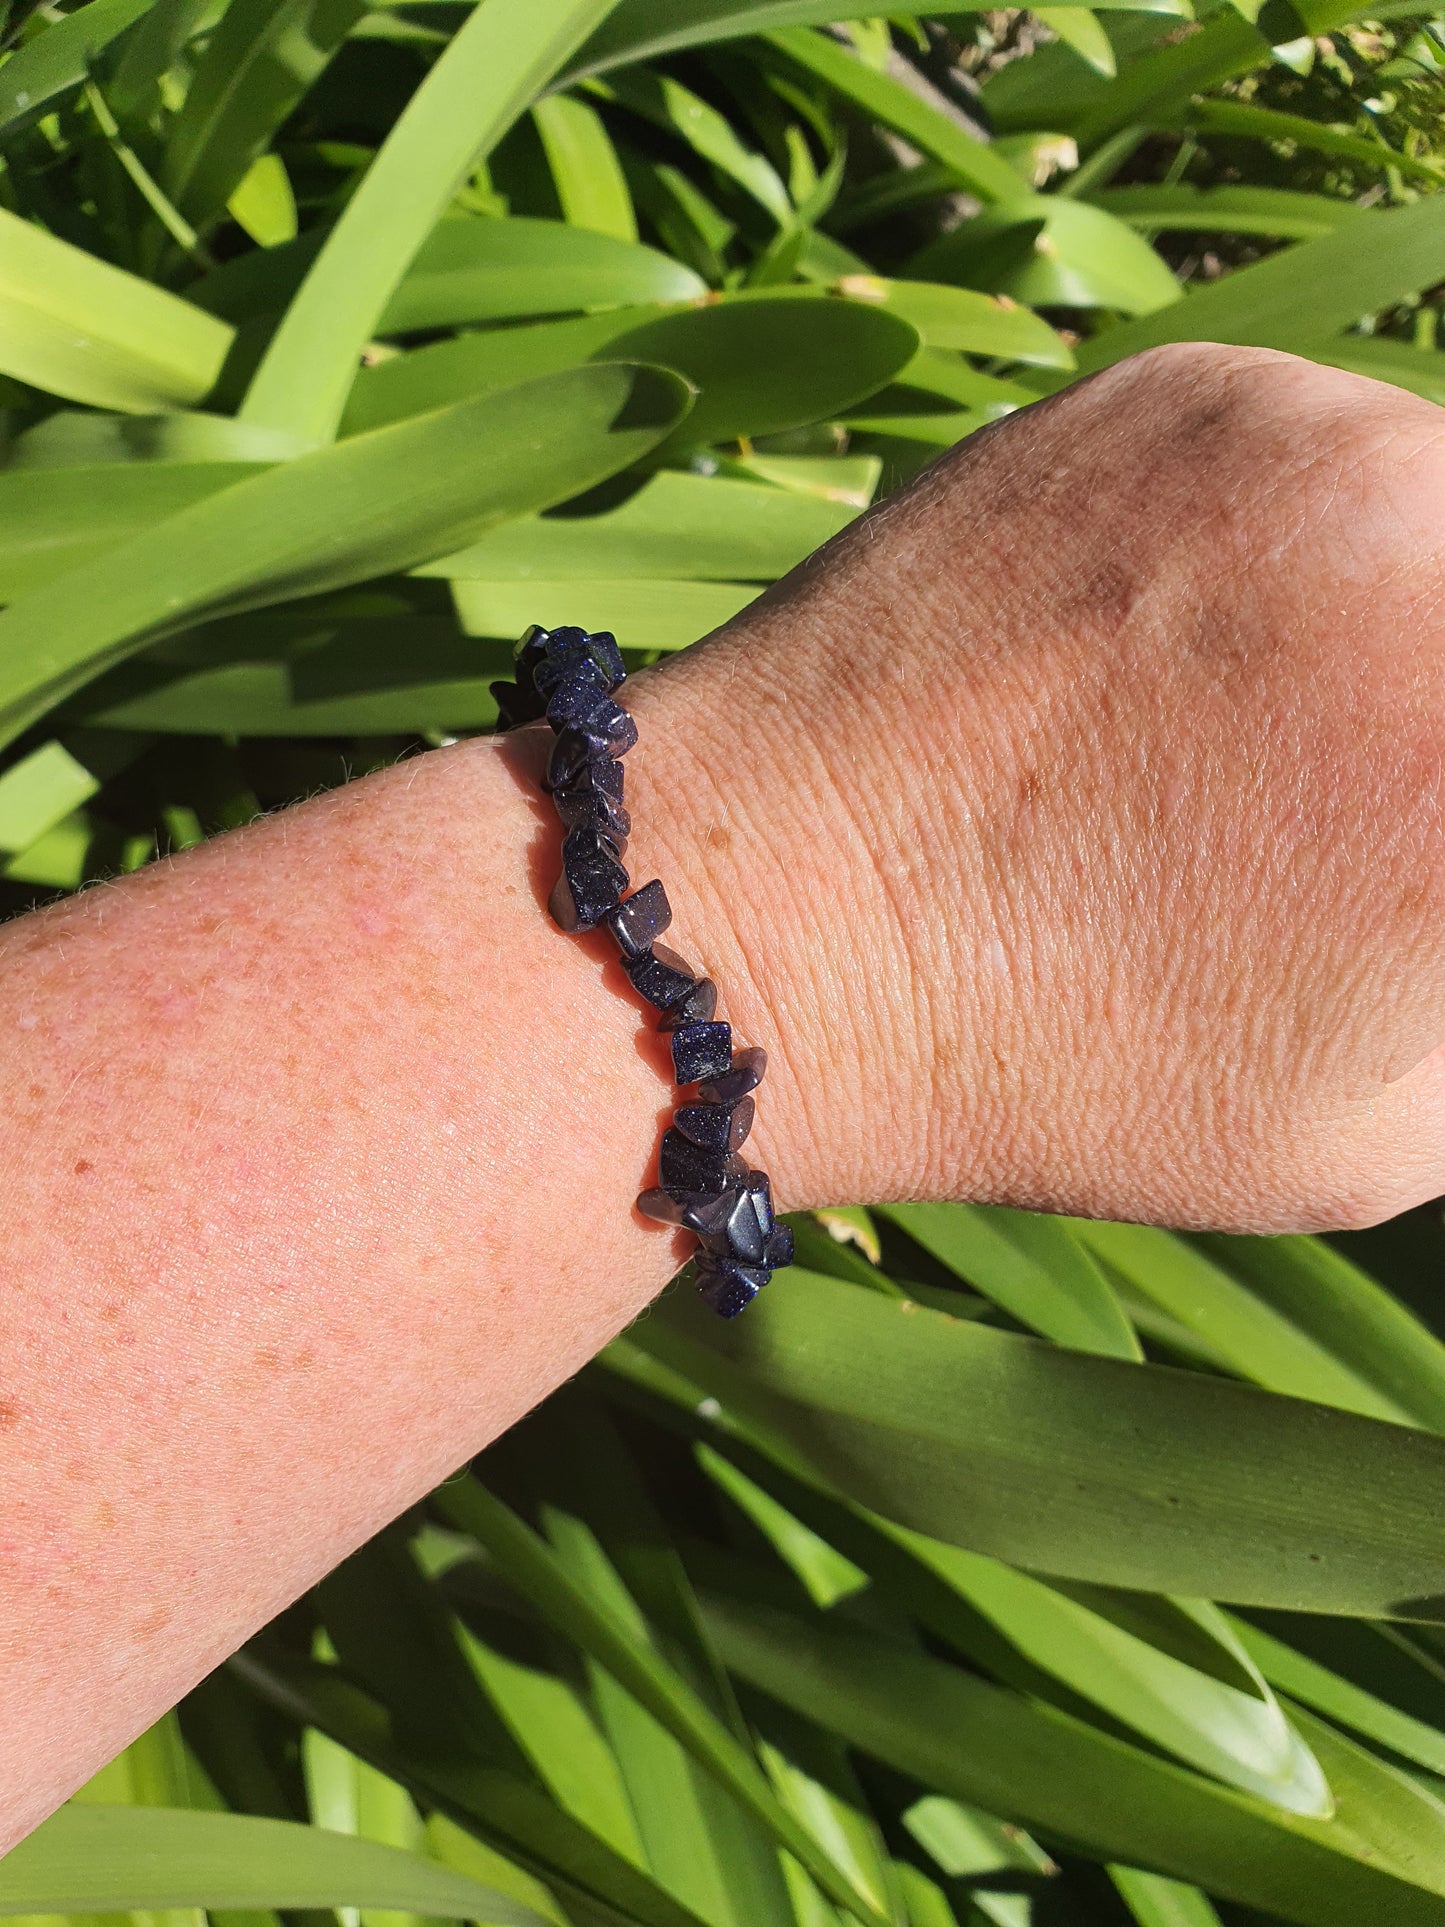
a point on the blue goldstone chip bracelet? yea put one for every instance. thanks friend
(570, 678)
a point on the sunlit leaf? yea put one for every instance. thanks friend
(108, 1859)
(78, 327)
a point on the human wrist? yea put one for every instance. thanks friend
(783, 827)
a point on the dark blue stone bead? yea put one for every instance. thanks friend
(709, 1216)
(761, 1187)
(595, 809)
(744, 1074)
(516, 704)
(608, 731)
(641, 920)
(661, 976)
(576, 696)
(701, 1050)
(684, 1168)
(661, 1205)
(717, 1127)
(553, 654)
(609, 728)
(529, 656)
(600, 774)
(608, 656)
(571, 754)
(732, 1225)
(729, 1287)
(780, 1247)
(566, 649)
(696, 1007)
(592, 879)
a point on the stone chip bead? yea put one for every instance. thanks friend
(717, 1127)
(744, 1073)
(576, 696)
(729, 1287)
(570, 676)
(640, 919)
(562, 651)
(696, 1007)
(592, 879)
(606, 732)
(661, 976)
(779, 1251)
(688, 1169)
(701, 1051)
(733, 1224)
(595, 809)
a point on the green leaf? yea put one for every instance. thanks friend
(1253, 1338)
(1342, 1701)
(560, 1737)
(642, 615)
(1307, 292)
(1032, 1265)
(815, 1779)
(700, 1844)
(1174, 1672)
(38, 76)
(444, 371)
(756, 370)
(1248, 119)
(133, 90)
(306, 676)
(1161, 81)
(1157, 1902)
(55, 519)
(40, 791)
(1382, 1857)
(585, 170)
(486, 78)
(760, 371)
(534, 1571)
(524, 1822)
(71, 438)
(1228, 210)
(1079, 29)
(368, 506)
(1345, 1310)
(960, 1431)
(679, 525)
(827, 1574)
(889, 102)
(257, 64)
(472, 269)
(1051, 252)
(79, 327)
(1240, 1737)
(1164, 80)
(454, 1847)
(610, 1538)
(263, 203)
(962, 318)
(94, 1859)
(645, 29)
(677, 110)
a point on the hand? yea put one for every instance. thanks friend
(1070, 828)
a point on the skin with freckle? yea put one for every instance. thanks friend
(1068, 832)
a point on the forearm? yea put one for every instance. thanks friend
(320, 1148)
(1057, 854)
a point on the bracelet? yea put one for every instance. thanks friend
(570, 678)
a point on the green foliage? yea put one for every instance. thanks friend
(335, 346)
